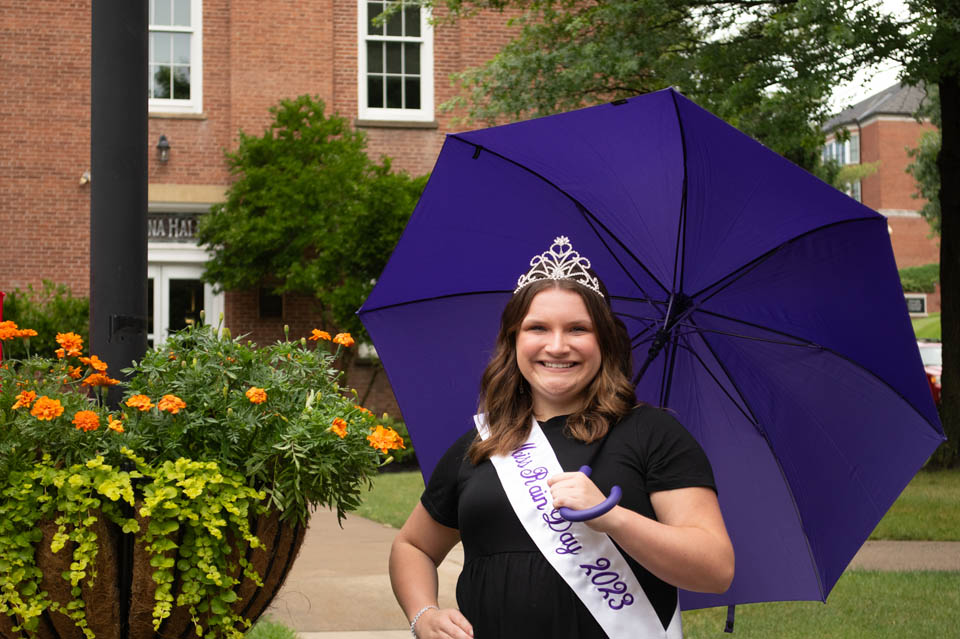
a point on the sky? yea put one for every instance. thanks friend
(873, 80)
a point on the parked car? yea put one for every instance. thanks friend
(932, 355)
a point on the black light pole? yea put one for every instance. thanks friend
(118, 198)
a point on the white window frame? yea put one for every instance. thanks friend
(195, 103)
(426, 111)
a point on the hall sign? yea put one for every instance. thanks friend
(171, 227)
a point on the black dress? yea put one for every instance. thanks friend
(507, 589)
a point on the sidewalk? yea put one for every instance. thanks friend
(339, 587)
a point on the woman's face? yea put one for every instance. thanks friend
(557, 352)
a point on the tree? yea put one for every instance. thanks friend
(309, 212)
(931, 49)
(767, 67)
(924, 166)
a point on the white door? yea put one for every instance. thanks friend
(175, 297)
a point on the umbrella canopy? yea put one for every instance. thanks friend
(764, 307)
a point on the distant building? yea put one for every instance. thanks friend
(882, 128)
(215, 67)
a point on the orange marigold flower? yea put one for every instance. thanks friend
(47, 408)
(27, 332)
(71, 342)
(8, 330)
(339, 427)
(318, 335)
(75, 372)
(86, 420)
(256, 395)
(385, 439)
(140, 401)
(344, 339)
(114, 424)
(94, 362)
(25, 399)
(60, 353)
(171, 403)
(99, 379)
(363, 410)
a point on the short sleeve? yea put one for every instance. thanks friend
(442, 493)
(674, 458)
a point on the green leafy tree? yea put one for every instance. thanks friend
(309, 212)
(924, 168)
(49, 309)
(767, 67)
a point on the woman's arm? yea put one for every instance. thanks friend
(417, 550)
(686, 546)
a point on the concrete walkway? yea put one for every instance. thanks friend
(339, 587)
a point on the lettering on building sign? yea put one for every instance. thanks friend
(167, 227)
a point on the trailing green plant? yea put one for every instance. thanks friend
(211, 434)
(49, 309)
(920, 279)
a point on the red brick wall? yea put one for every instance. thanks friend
(891, 187)
(44, 143)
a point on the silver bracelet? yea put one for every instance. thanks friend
(416, 617)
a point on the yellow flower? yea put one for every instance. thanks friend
(256, 395)
(171, 403)
(94, 362)
(71, 342)
(344, 339)
(25, 399)
(86, 420)
(318, 335)
(47, 408)
(339, 427)
(114, 424)
(141, 402)
(99, 379)
(385, 439)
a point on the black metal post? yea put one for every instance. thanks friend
(118, 198)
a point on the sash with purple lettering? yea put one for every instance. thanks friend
(587, 560)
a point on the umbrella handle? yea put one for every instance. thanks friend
(595, 511)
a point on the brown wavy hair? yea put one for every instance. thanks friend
(505, 394)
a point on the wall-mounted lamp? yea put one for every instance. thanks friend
(85, 178)
(163, 149)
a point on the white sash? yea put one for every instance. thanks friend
(586, 559)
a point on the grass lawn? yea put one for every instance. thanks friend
(927, 327)
(863, 605)
(928, 509)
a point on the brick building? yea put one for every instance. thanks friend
(881, 128)
(216, 67)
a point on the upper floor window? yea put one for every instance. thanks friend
(395, 63)
(175, 56)
(843, 151)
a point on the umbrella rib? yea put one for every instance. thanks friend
(364, 311)
(697, 329)
(773, 454)
(744, 322)
(680, 250)
(583, 211)
(732, 277)
(750, 418)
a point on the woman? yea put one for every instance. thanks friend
(562, 359)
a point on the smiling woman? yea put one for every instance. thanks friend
(556, 397)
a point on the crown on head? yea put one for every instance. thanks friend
(560, 262)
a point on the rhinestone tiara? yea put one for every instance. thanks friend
(560, 262)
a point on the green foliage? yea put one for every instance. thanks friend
(920, 279)
(767, 67)
(267, 628)
(309, 212)
(924, 170)
(49, 310)
(212, 432)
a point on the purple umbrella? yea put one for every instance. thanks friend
(764, 307)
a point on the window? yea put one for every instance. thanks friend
(175, 56)
(395, 63)
(845, 152)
